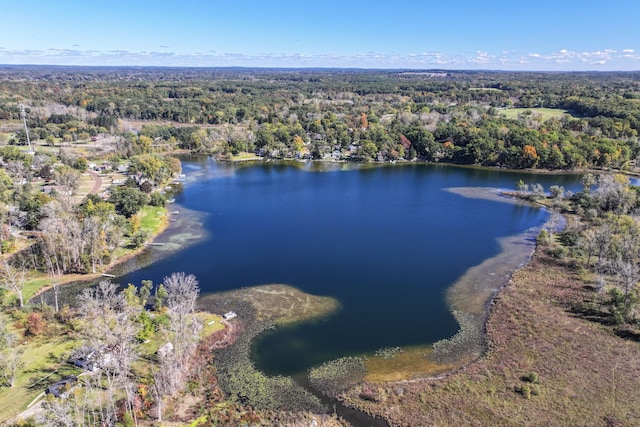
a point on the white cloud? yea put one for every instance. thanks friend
(564, 59)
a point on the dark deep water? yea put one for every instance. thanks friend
(385, 241)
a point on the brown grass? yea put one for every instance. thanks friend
(588, 376)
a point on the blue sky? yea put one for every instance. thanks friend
(563, 35)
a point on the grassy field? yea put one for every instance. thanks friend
(41, 368)
(153, 219)
(546, 113)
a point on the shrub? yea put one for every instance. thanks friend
(532, 377)
(559, 252)
(157, 199)
(543, 237)
(524, 390)
(35, 324)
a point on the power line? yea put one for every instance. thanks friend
(23, 114)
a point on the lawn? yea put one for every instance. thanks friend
(546, 113)
(41, 368)
(153, 218)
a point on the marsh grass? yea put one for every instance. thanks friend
(334, 376)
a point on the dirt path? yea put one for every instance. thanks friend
(97, 182)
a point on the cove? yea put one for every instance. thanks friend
(385, 241)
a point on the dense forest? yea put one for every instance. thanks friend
(358, 115)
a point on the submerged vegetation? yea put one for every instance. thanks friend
(334, 376)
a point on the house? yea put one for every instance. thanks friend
(229, 315)
(60, 388)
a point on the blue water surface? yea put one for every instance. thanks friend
(386, 242)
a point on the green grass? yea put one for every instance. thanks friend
(546, 113)
(41, 369)
(34, 285)
(243, 156)
(153, 218)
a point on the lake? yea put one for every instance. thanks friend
(385, 241)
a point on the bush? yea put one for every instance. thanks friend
(35, 324)
(157, 199)
(543, 237)
(525, 391)
(559, 252)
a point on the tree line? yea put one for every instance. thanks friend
(346, 114)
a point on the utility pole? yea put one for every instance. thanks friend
(23, 114)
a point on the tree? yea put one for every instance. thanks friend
(522, 186)
(181, 293)
(588, 180)
(68, 179)
(614, 195)
(128, 201)
(13, 279)
(557, 191)
(10, 352)
(109, 328)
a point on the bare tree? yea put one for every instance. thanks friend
(10, 353)
(182, 334)
(110, 330)
(57, 413)
(13, 279)
(68, 179)
(613, 194)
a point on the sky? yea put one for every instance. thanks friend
(540, 35)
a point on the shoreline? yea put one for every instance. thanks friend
(471, 297)
(66, 279)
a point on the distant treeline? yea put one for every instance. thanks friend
(359, 115)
